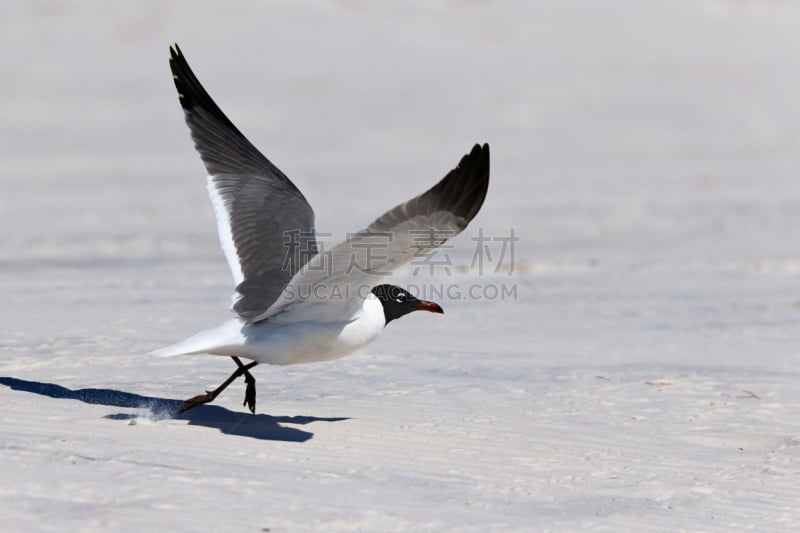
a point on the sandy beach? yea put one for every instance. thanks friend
(620, 349)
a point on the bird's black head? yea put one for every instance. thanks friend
(398, 302)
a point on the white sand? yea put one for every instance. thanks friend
(646, 378)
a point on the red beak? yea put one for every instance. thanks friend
(432, 307)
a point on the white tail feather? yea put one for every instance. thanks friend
(212, 341)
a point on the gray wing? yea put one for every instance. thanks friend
(266, 226)
(346, 274)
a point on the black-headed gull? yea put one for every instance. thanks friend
(293, 304)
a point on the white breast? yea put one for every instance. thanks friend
(311, 341)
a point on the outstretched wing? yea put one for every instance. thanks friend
(341, 278)
(266, 226)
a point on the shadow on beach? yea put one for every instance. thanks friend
(259, 426)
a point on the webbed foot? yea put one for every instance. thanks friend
(200, 399)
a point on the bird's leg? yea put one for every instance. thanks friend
(209, 396)
(250, 390)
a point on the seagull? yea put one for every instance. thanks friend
(295, 302)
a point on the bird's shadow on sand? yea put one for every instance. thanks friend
(257, 426)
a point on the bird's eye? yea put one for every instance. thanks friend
(400, 298)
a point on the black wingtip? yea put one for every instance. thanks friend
(473, 170)
(463, 190)
(185, 81)
(478, 155)
(191, 93)
(479, 150)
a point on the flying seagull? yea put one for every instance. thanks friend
(293, 302)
